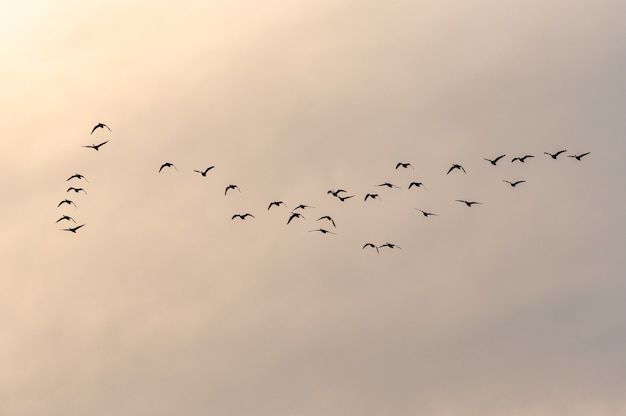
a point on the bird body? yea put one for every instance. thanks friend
(335, 193)
(578, 157)
(77, 176)
(322, 230)
(343, 198)
(521, 159)
(65, 217)
(327, 217)
(426, 214)
(77, 190)
(416, 184)
(275, 203)
(388, 185)
(555, 155)
(494, 161)
(98, 126)
(373, 196)
(242, 216)
(514, 184)
(229, 187)
(294, 215)
(302, 206)
(204, 172)
(168, 165)
(371, 245)
(73, 229)
(468, 203)
(456, 166)
(404, 165)
(97, 146)
(66, 201)
(390, 245)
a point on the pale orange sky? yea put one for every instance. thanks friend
(162, 304)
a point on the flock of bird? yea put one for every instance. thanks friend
(297, 212)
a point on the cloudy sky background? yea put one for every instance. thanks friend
(161, 304)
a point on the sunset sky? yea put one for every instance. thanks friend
(162, 305)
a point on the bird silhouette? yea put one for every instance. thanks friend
(275, 203)
(390, 245)
(555, 155)
(578, 157)
(294, 215)
(404, 165)
(323, 231)
(426, 214)
(100, 126)
(343, 198)
(468, 203)
(72, 229)
(229, 187)
(455, 166)
(66, 201)
(77, 190)
(168, 165)
(65, 217)
(514, 184)
(242, 216)
(373, 196)
(388, 185)
(302, 206)
(327, 217)
(371, 245)
(203, 172)
(336, 193)
(77, 176)
(416, 184)
(97, 146)
(521, 159)
(494, 161)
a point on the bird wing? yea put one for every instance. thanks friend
(498, 158)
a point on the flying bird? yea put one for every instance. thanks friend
(426, 214)
(336, 193)
(404, 165)
(168, 165)
(388, 185)
(77, 190)
(97, 146)
(100, 126)
(66, 201)
(65, 217)
(521, 159)
(77, 176)
(275, 203)
(371, 245)
(343, 198)
(468, 203)
(203, 172)
(390, 245)
(323, 231)
(327, 217)
(514, 184)
(416, 184)
(302, 206)
(295, 215)
(555, 155)
(72, 229)
(242, 216)
(455, 166)
(373, 196)
(494, 161)
(229, 187)
(578, 157)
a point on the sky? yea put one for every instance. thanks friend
(162, 304)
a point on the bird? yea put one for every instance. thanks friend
(242, 216)
(77, 190)
(343, 198)
(455, 166)
(275, 203)
(65, 217)
(521, 159)
(327, 217)
(302, 206)
(373, 196)
(229, 187)
(203, 172)
(555, 155)
(426, 214)
(66, 201)
(578, 157)
(388, 185)
(323, 231)
(371, 245)
(416, 184)
(72, 229)
(514, 184)
(97, 146)
(390, 245)
(77, 176)
(168, 165)
(404, 165)
(99, 125)
(295, 215)
(336, 193)
(468, 203)
(494, 161)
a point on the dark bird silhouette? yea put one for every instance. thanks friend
(336, 193)
(555, 155)
(578, 157)
(327, 217)
(404, 165)
(72, 229)
(97, 146)
(426, 214)
(468, 203)
(323, 231)
(371, 245)
(390, 245)
(65, 217)
(66, 201)
(203, 172)
(455, 166)
(521, 159)
(302, 206)
(494, 161)
(168, 165)
(388, 185)
(295, 215)
(416, 184)
(514, 184)
(100, 126)
(77, 190)
(242, 216)
(343, 198)
(229, 187)
(275, 203)
(373, 196)
(77, 176)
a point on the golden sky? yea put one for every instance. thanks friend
(161, 304)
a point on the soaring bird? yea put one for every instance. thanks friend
(77, 176)
(72, 229)
(327, 217)
(302, 206)
(65, 217)
(335, 193)
(390, 245)
(555, 155)
(97, 146)
(578, 157)
(388, 185)
(99, 125)
(455, 166)
(416, 184)
(275, 203)
(242, 216)
(404, 165)
(468, 203)
(494, 161)
(426, 214)
(343, 198)
(77, 190)
(371, 245)
(514, 184)
(168, 165)
(295, 215)
(66, 201)
(323, 231)
(373, 196)
(229, 187)
(203, 172)
(521, 159)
